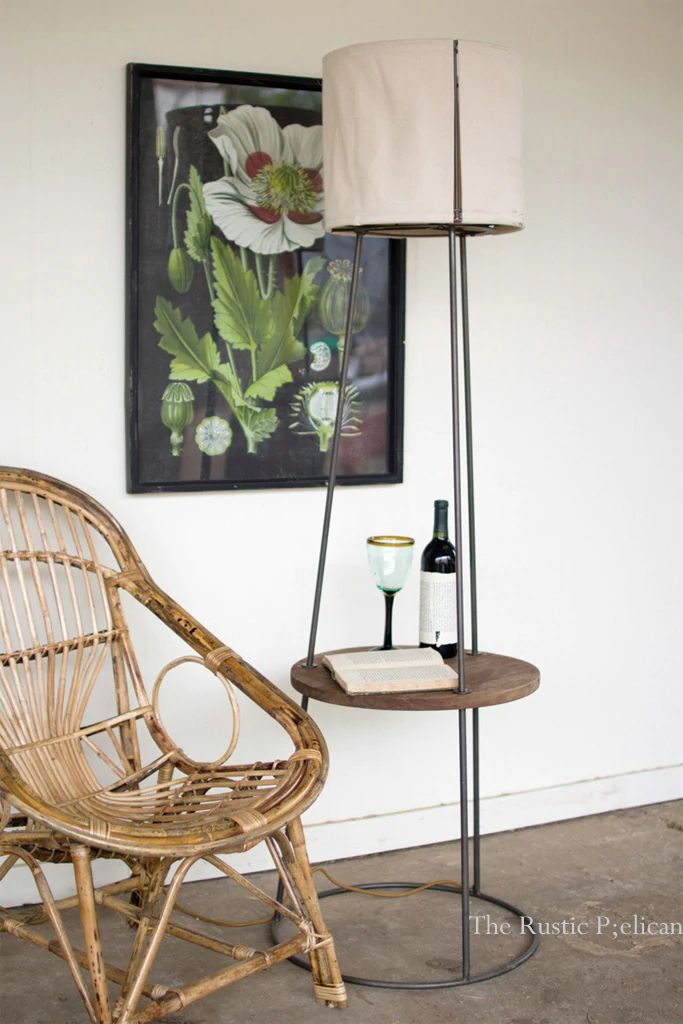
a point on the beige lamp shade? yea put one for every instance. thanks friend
(420, 135)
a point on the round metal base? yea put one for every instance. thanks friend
(353, 979)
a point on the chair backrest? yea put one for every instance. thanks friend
(62, 631)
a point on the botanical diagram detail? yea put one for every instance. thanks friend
(213, 435)
(231, 232)
(334, 301)
(321, 356)
(314, 411)
(270, 199)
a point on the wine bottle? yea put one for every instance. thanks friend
(438, 620)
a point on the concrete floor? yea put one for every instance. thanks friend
(582, 872)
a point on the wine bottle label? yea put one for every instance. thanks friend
(438, 618)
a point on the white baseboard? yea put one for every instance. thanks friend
(500, 813)
(353, 837)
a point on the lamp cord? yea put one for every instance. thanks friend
(182, 909)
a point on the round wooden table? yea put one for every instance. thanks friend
(491, 679)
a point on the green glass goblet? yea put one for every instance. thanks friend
(389, 558)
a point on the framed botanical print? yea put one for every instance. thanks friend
(236, 297)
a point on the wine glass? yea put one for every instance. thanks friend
(389, 559)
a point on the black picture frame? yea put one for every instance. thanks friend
(170, 111)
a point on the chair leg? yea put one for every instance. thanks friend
(328, 986)
(147, 900)
(80, 856)
(144, 958)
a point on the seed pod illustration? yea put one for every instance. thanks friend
(177, 410)
(180, 270)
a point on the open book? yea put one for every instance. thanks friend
(398, 671)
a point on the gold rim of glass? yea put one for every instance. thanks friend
(389, 541)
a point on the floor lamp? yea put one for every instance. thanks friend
(423, 138)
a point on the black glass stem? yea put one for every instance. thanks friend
(388, 615)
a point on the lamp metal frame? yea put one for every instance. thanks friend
(458, 283)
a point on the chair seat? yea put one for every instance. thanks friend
(203, 810)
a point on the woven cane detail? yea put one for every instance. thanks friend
(160, 992)
(307, 754)
(99, 829)
(243, 952)
(249, 821)
(215, 658)
(330, 993)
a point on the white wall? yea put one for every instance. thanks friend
(577, 371)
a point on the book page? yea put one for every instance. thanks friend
(396, 680)
(409, 656)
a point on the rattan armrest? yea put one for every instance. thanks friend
(301, 728)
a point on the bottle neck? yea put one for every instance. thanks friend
(441, 522)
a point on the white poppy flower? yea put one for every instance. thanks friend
(272, 201)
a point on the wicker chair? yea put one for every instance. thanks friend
(74, 785)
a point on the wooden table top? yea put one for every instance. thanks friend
(490, 678)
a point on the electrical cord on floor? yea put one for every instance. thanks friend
(217, 920)
(334, 881)
(384, 895)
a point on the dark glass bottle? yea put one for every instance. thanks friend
(438, 620)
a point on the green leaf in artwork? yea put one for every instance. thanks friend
(290, 308)
(228, 384)
(194, 358)
(243, 319)
(257, 424)
(198, 232)
(267, 385)
(307, 291)
(281, 347)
